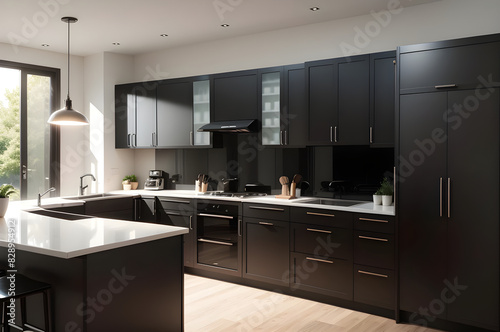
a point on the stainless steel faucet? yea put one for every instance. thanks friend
(82, 188)
(40, 195)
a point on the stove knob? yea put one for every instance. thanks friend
(218, 207)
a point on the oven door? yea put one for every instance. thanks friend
(218, 239)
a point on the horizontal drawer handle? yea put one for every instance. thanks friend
(373, 238)
(266, 223)
(444, 86)
(175, 201)
(374, 220)
(215, 216)
(373, 274)
(319, 260)
(215, 242)
(320, 214)
(266, 208)
(173, 214)
(319, 230)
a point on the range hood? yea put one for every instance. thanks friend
(236, 126)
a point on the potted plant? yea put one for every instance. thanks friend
(130, 180)
(377, 197)
(387, 190)
(5, 191)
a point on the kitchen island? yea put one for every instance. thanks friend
(106, 275)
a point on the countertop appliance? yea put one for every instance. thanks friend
(156, 180)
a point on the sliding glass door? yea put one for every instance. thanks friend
(29, 153)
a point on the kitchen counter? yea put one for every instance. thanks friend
(72, 238)
(101, 270)
(362, 207)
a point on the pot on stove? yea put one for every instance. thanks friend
(230, 185)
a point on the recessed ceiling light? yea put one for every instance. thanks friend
(314, 9)
(116, 44)
(163, 35)
(45, 45)
(224, 25)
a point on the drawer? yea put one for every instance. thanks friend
(431, 69)
(374, 286)
(322, 217)
(176, 218)
(178, 204)
(322, 241)
(326, 276)
(374, 223)
(374, 249)
(266, 211)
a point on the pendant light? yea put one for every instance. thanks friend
(67, 116)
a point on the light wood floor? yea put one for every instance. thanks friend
(217, 306)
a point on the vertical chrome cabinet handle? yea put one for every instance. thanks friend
(191, 138)
(371, 135)
(154, 207)
(286, 140)
(335, 134)
(191, 222)
(331, 134)
(440, 197)
(134, 140)
(281, 137)
(239, 227)
(449, 198)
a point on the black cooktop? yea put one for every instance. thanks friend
(228, 194)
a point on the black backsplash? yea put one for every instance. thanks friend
(356, 170)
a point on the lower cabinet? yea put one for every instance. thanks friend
(180, 212)
(146, 209)
(115, 208)
(266, 250)
(321, 255)
(374, 260)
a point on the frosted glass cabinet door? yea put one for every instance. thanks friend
(201, 111)
(271, 108)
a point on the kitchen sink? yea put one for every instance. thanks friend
(327, 201)
(59, 215)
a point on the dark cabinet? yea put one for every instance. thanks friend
(180, 212)
(174, 114)
(266, 250)
(449, 145)
(382, 98)
(447, 66)
(321, 252)
(374, 286)
(146, 209)
(235, 96)
(135, 115)
(283, 106)
(113, 208)
(339, 101)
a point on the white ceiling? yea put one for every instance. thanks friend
(137, 25)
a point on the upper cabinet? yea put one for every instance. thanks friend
(339, 101)
(135, 115)
(201, 112)
(445, 67)
(382, 98)
(283, 106)
(174, 114)
(234, 96)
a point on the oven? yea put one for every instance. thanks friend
(219, 236)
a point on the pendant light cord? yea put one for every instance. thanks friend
(69, 23)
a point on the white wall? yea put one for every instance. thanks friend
(446, 19)
(72, 164)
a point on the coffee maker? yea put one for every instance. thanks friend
(156, 180)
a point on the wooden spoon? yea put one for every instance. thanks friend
(297, 178)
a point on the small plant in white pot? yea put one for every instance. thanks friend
(377, 197)
(387, 190)
(5, 191)
(132, 180)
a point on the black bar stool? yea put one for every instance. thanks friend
(24, 287)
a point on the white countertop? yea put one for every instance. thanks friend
(362, 207)
(72, 238)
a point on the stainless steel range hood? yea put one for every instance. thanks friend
(236, 126)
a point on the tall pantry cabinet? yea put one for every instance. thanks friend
(448, 181)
